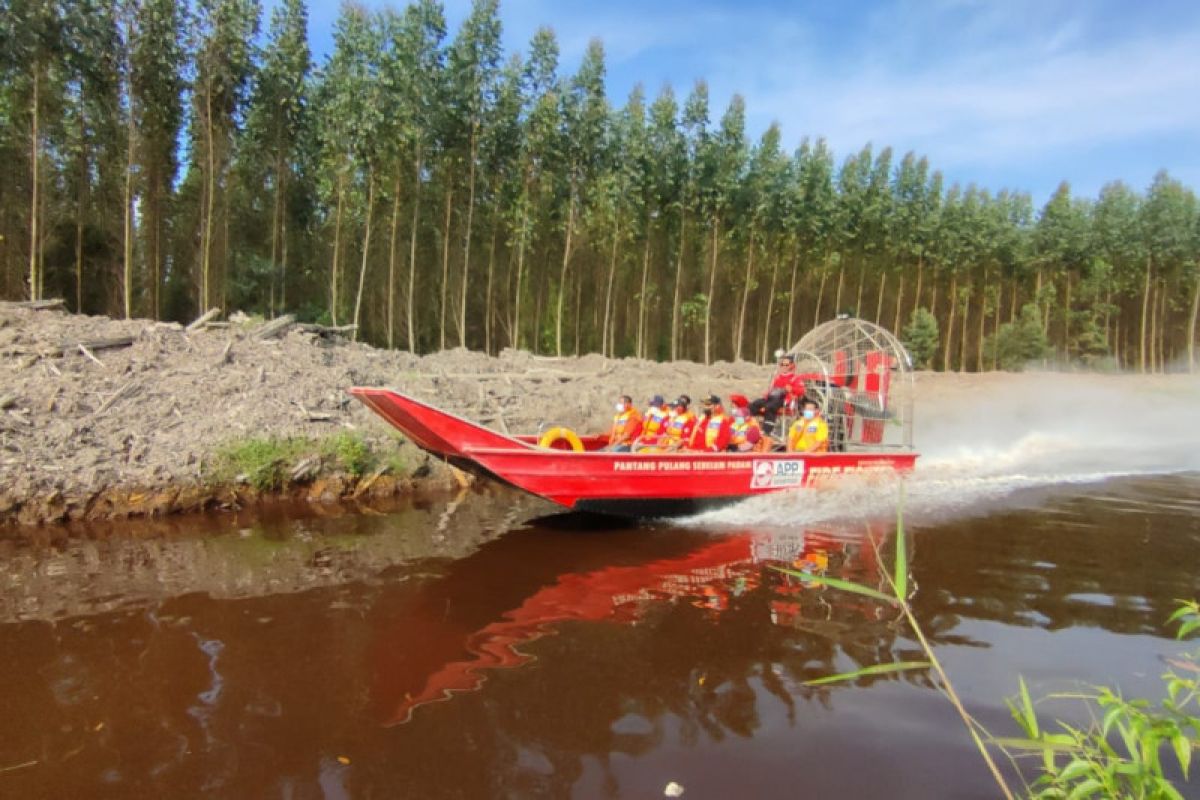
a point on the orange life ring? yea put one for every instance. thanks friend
(560, 434)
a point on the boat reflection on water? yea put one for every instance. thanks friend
(444, 640)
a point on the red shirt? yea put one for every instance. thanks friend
(712, 433)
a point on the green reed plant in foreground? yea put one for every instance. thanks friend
(1076, 762)
(1118, 754)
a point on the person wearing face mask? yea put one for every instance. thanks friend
(810, 433)
(627, 425)
(745, 434)
(712, 432)
(654, 423)
(679, 426)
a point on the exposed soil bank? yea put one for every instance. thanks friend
(142, 428)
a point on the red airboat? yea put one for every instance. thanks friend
(858, 372)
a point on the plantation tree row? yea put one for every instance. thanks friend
(160, 159)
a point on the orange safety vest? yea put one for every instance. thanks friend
(808, 436)
(716, 432)
(679, 428)
(626, 426)
(741, 430)
(653, 423)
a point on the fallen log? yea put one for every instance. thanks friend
(202, 320)
(117, 395)
(39, 305)
(326, 331)
(275, 327)
(109, 343)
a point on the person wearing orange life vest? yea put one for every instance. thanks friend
(654, 423)
(679, 426)
(810, 433)
(745, 434)
(627, 425)
(712, 431)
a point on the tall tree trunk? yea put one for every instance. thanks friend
(820, 294)
(276, 223)
(562, 276)
(608, 293)
(80, 201)
(337, 249)
(678, 284)
(366, 251)
(764, 350)
(462, 303)
(487, 300)
(1145, 315)
(791, 301)
(209, 204)
(1118, 348)
(879, 300)
(1067, 321)
(712, 287)
(35, 158)
(516, 320)
(862, 279)
(392, 256)
(962, 345)
(837, 297)
(1012, 303)
(983, 309)
(411, 316)
(127, 227)
(920, 276)
(953, 299)
(445, 271)
(641, 329)
(1191, 337)
(741, 323)
(899, 302)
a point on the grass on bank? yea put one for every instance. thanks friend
(268, 463)
(1118, 755)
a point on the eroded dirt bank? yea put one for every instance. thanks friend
(135, 422)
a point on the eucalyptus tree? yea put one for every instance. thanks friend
(584, 115)
(34, 38)
(347, 122)
(540, 143)
(275, 124)
(878, 230)
(723, 163)
(622, 199)
(1168, 229)
(663, 177)
(1060, 252)
(759, 195)
(95, 145)
(472, 74)
(851, 214)
(816, 218)
(1116, 238)
(223, 33)
(157, 59)
(500, 155)
(416, 66)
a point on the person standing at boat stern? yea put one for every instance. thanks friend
(654, 423)
(810, 433)
(713, 432)
(626, 427)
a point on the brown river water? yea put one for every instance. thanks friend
(480, 646)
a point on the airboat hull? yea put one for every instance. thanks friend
(635, 485)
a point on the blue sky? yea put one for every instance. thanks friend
(1016, 94)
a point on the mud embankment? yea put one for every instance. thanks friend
(108, 419)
